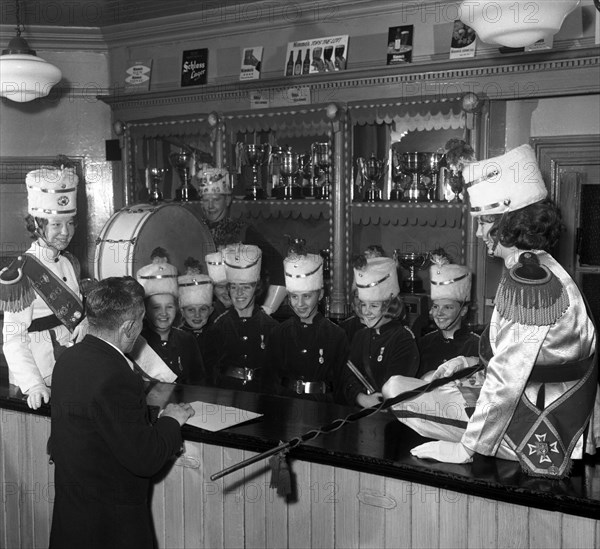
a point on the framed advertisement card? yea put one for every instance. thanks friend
(194, 67)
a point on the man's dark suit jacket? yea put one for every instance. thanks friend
(104, 449)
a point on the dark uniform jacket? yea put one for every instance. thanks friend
(180, 353)
(435, 349)
(104, 450)
(380, 353)
(201, 339)
(351, 325)
(307, 352)
(239, 344)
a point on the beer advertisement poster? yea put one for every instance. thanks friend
(327, 54)
(138, 75)
(464, 41)
(251, 63)
(400, 44)
(194, 67)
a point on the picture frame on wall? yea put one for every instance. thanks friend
(194, 67)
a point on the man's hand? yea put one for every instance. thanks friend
(179, 412)
(453, 365)
(447, 452)
(38, 394)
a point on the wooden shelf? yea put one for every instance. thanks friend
(423, 214)
(281, 209)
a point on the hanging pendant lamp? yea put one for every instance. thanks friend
(516, 23)
(23, 75)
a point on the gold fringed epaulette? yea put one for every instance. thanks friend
(16, 290)
(531, 294)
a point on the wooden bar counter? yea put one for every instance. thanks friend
(356, 487)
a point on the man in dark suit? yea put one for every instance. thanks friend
(104, 448)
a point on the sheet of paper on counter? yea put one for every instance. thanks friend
(214, 417)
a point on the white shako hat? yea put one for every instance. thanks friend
(377, 280)
(449, 281)
(303, 272)
(52, 192)
(213, 181)
(195, 289)
(215, 266)
(504, 183)
(242, 263)
(159, 277)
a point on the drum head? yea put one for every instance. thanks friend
(130, 236)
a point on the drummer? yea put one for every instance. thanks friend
(177, 348)
(195, 304)
(39, 291)
(307, 352)
(450, 296)
(237, 341)
(216, 195)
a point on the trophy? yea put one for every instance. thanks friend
(320, 156)
(309, 189)
(181, 161)
(288, 168)
(455, 182)
(255, 156)
(373, 171)
(430, 178)
(156, 175)
(413, 262)
(413, 163)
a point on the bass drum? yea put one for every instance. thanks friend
(131, 234)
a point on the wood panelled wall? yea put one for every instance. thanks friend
(334, 507)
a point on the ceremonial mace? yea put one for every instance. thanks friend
(351, 418)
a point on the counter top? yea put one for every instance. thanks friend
(378, 444)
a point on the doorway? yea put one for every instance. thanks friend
(571, 167)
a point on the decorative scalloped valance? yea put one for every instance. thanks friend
(281, 209)
(170, 128)
(405, 214)
(290, 123)
(429, 115)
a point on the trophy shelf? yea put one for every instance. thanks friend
(281, 209)
(402, 214)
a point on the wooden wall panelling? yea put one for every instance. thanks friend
(453, 519)
(255, 494)
(300, 528)
(213, 495)
(233, 501)
(482, 524)
(372, 509)
(323, 496)
(513, 525)
(347, 533)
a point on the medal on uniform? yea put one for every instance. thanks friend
(380, 357)
(321, 359)
(262, 341)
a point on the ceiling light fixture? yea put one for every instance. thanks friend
(516, 23)
(23, 75)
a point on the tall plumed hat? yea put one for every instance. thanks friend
(195, 289)
(303, 272)
(159, 277)
(52, 192)
(242, 263)
(449, 281)
(504, 183)
(213, 181)
(377, 279)
(215, 265)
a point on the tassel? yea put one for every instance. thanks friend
(281, 478)
(16, 290)
(531, 294)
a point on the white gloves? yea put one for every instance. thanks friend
(447, 452)
(80, 331)
(36, 395)
(453, 365)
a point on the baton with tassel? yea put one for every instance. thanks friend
(351, 418)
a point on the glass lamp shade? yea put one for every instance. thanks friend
(516, 24)
(23, 75)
